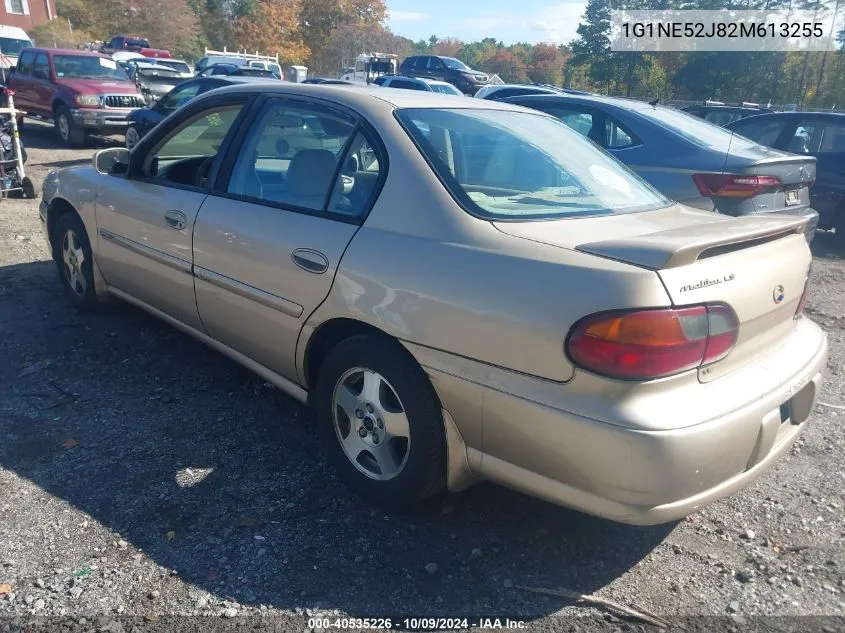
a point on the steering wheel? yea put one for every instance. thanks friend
(202, 172)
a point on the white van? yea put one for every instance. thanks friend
(12, 41)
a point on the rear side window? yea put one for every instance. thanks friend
(25, 63)
(616, 136)
(817, 137)
(722, 117)
(764, 132)
(409, 63)
(581, 122)
(407, 85)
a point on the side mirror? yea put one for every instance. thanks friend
(112, 162)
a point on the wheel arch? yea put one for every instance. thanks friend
(56, 209)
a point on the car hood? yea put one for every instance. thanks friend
(99, 86)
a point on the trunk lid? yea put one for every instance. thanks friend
(757, 265)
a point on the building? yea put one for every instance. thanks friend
(26, 14)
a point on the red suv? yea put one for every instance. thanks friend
(80, 91)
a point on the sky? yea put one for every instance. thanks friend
(509, 21)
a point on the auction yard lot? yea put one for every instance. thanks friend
(144, 474)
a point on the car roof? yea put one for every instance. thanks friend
(371, 97)
(588, 99)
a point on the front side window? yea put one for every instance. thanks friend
(451, 62)
(186, 156)
(87, 67)
(41, 67)
(291, 156)
(518, 165)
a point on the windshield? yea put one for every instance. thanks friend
(181, 67)
(87, 67)
(690, 127)
(11, 46)
(448, 89)
(454, 64)
(518, 165)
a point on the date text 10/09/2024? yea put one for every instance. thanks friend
(416, 624)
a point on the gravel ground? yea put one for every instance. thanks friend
(143, 475)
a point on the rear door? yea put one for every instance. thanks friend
(268, 241)
(823, 138)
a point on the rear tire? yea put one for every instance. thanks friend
(390, 447)
(75, 262)
(69, 132)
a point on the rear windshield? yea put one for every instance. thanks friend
(87, 67)
(519, 165)
(690, 127)
(137, 41)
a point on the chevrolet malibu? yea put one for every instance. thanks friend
(461, 290)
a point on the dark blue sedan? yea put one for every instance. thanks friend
(818, 134)
(142, 120)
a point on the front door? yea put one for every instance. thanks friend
(22, 82)
(268, 242)
(146, 220)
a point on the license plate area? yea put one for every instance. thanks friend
(792, 197)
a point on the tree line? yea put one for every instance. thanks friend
(322, 33)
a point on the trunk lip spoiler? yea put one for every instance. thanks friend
(681, 246)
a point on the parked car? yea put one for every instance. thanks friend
(142, 120)
(687, 159)
(80, 91)
(133, 43)
(496, 92)
(328, 80)
(266, 65)
(506, 301)
(154, 80)
(210, 60)
(221, 70)
(414, 83)
(721, 114)
(448, 69)
(12, 41)
(817, 134)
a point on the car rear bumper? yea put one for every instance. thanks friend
(101, 119)
(743, 423)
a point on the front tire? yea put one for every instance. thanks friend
(69, 132)
(75, 262)
(381, 422)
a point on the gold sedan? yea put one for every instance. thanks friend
(461, 289)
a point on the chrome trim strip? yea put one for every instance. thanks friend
(166, 259)
(249, 292)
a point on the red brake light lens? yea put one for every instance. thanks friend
(647, 344)
(733, 185)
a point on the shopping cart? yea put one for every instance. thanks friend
(12, 155)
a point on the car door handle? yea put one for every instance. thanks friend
(310, 260)
(176, 220)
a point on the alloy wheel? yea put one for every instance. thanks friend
(371, 424)
(73, 256)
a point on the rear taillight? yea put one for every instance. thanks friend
(646, 344)
(734, 185)
(803, 301)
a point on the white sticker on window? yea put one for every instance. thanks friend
(108, 63)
